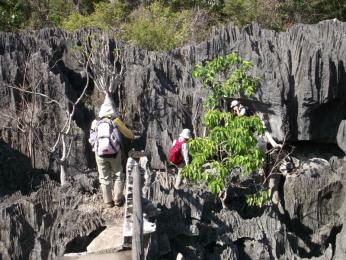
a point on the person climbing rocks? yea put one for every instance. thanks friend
(106, 141)
(240, 110)
(273, 185)
(179, 154)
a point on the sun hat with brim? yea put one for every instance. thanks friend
(108, 108)
(234, 103)
(186, 134)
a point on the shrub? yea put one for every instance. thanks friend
(214, 5)
(240, 11)
(312, 11)
(265, 12)
(230, 142)
(201, 24)
(13, 14)
(59, 10)
(278, 15)
(156, 27)
(105, 17)
(37, 14)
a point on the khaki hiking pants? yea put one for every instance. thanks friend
(180, 176)
(111, 169)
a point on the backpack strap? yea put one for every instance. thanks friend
(180, 145)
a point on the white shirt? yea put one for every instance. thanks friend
(242, 110)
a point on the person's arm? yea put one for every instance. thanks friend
(123, 129)
(241, 111)
(268, 135)
(185, 153)
(93, 135)
(93, 125)
(271, 140)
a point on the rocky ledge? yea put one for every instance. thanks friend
(311, 225)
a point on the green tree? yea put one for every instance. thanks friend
(157, 27)
(13, 14)
(312, 11)
(230, 142)
(241, 11)
(58, 10)
(106, 16)
(35, 14)
(264, 12)
(215, 5)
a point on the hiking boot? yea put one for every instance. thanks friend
(118, 192)
(119, 202)
(106, 193)
(178, 180)
(109, 204)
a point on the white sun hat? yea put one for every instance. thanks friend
(108, 108)
(235, 103)
(186, 134)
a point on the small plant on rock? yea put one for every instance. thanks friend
(258, 199)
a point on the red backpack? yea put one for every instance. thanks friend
(175, 155)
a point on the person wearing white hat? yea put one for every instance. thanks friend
(237, 108)
(109, 165)
(182, 158)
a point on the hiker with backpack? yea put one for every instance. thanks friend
(179, 154)
(105, 138)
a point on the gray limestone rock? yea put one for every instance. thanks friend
(302, 90)
(340, 246)
(340, 252)
(302, 94)
(17, 173)
(313, 197)
(229, 253)
(341, 136)
(259, 237)
(45, 222)
(46, 225)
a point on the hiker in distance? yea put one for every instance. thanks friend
(179, 154)
(240, 110)
(273, 186)
(105, 138)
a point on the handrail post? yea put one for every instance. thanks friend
(137, 236)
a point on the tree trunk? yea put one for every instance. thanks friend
(63, 174)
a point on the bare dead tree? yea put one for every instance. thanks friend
(279, 155)
(26, 117)
(100, 61)
(104, 62)
(64, 133)
(23, 115)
